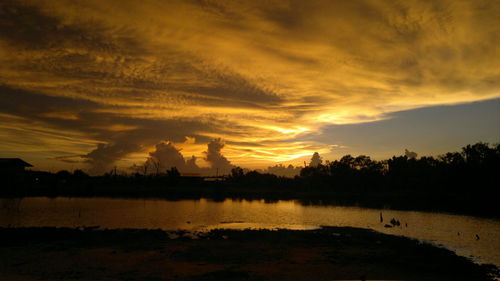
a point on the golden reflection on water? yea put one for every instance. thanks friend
(453, 231)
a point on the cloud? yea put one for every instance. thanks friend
(410, 154)
(105, 155)
(44, 114)
(72, 159)
(28, 27)
(284, 171)
(167, 156)
(190, 140)
(214, 156)
(191, 166)
(261, 72)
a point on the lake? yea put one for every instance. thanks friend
(455, 232)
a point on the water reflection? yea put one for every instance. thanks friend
(453, 231)
(10, 207)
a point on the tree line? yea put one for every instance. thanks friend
(475, 168)
(466, 181)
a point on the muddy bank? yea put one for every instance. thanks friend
(332, 253)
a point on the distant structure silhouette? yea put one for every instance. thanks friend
(8, 165)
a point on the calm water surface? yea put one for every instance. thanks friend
(455, 232)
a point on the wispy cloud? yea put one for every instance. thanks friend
(261, 72)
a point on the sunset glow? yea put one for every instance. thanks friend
(86, 82)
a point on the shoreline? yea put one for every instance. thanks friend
(329, 253)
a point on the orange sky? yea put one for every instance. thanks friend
(259, 74)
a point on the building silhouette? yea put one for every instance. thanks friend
(13, 165)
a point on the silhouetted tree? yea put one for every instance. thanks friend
(316, 160)
(145, 167)
(454, 159)
(237, 173)
(79, 175)
(476, 154)
(173, 173)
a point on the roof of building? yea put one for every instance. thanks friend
(14, 161)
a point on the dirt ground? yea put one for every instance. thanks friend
(330, 253)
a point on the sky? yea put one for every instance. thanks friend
(96, 84)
